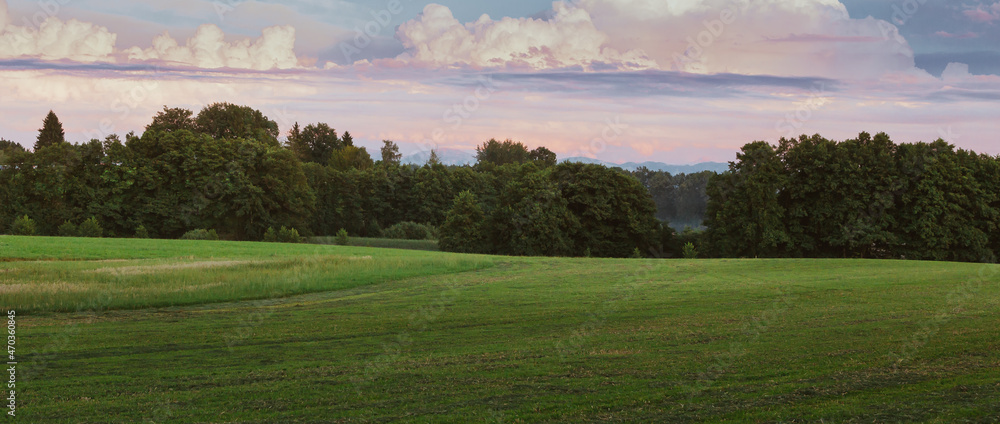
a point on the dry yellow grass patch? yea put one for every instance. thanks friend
(152, 269)
(47, 288)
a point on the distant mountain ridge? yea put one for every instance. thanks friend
(446, 156)
(657, 166)
(460, 157)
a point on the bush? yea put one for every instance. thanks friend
(24, 226)
(409, 231)
(285, 235)
(637, 254)
(690, 252)
(141, 233)
(289, 235)
(342, 238)
(90, 228)
(200, 234)
(68, 229)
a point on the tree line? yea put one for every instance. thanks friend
(867, 197)
(224, 171)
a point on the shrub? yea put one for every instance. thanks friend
(90, 228)
(141, 233)
(68, 229)
(409, 231)
(637, 254)
(270, 236)
(200, 234)
(342, 238)
(690, 252)
(24, 226)
(289, 235)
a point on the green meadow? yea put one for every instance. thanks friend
(140, 331)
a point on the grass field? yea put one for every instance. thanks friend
(297, 333)
(429, 245)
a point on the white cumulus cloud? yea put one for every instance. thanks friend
(54, 39)
(766, 37)
(568, 39)
(209, 49)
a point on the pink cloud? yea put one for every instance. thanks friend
(946, 34)
(983, 13)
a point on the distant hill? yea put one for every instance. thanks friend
(656, 166)
(446, 156)
(460, 157)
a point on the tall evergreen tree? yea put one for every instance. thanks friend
(51, 133)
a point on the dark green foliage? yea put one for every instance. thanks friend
(239, 187)
(350, 157)
(614, 213)
(342, 238)
(51, 132)
(502, 153)
(316, 143)
(508, 152)
(200, 234)
(462, 230)
(229, 121)
(532, 218)
(90, 228)
(23, 226)
(409, 231)
(68, 229)
(173, 119)
(862, 198)
(141, 233)
(745, 218)
(270, 236)
(543, 157)
(7, 146)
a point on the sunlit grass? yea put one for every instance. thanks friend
(65, 274)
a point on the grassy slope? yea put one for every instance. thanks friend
(66, 274)
(544, 339)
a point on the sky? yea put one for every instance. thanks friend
(674, 81)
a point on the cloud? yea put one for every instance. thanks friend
(770, 37)
(73, 40)
(983, 13)
(568, 39)
(209, 49)
(965, 35)
(765, 37)
(54, 39)
(4, 17)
